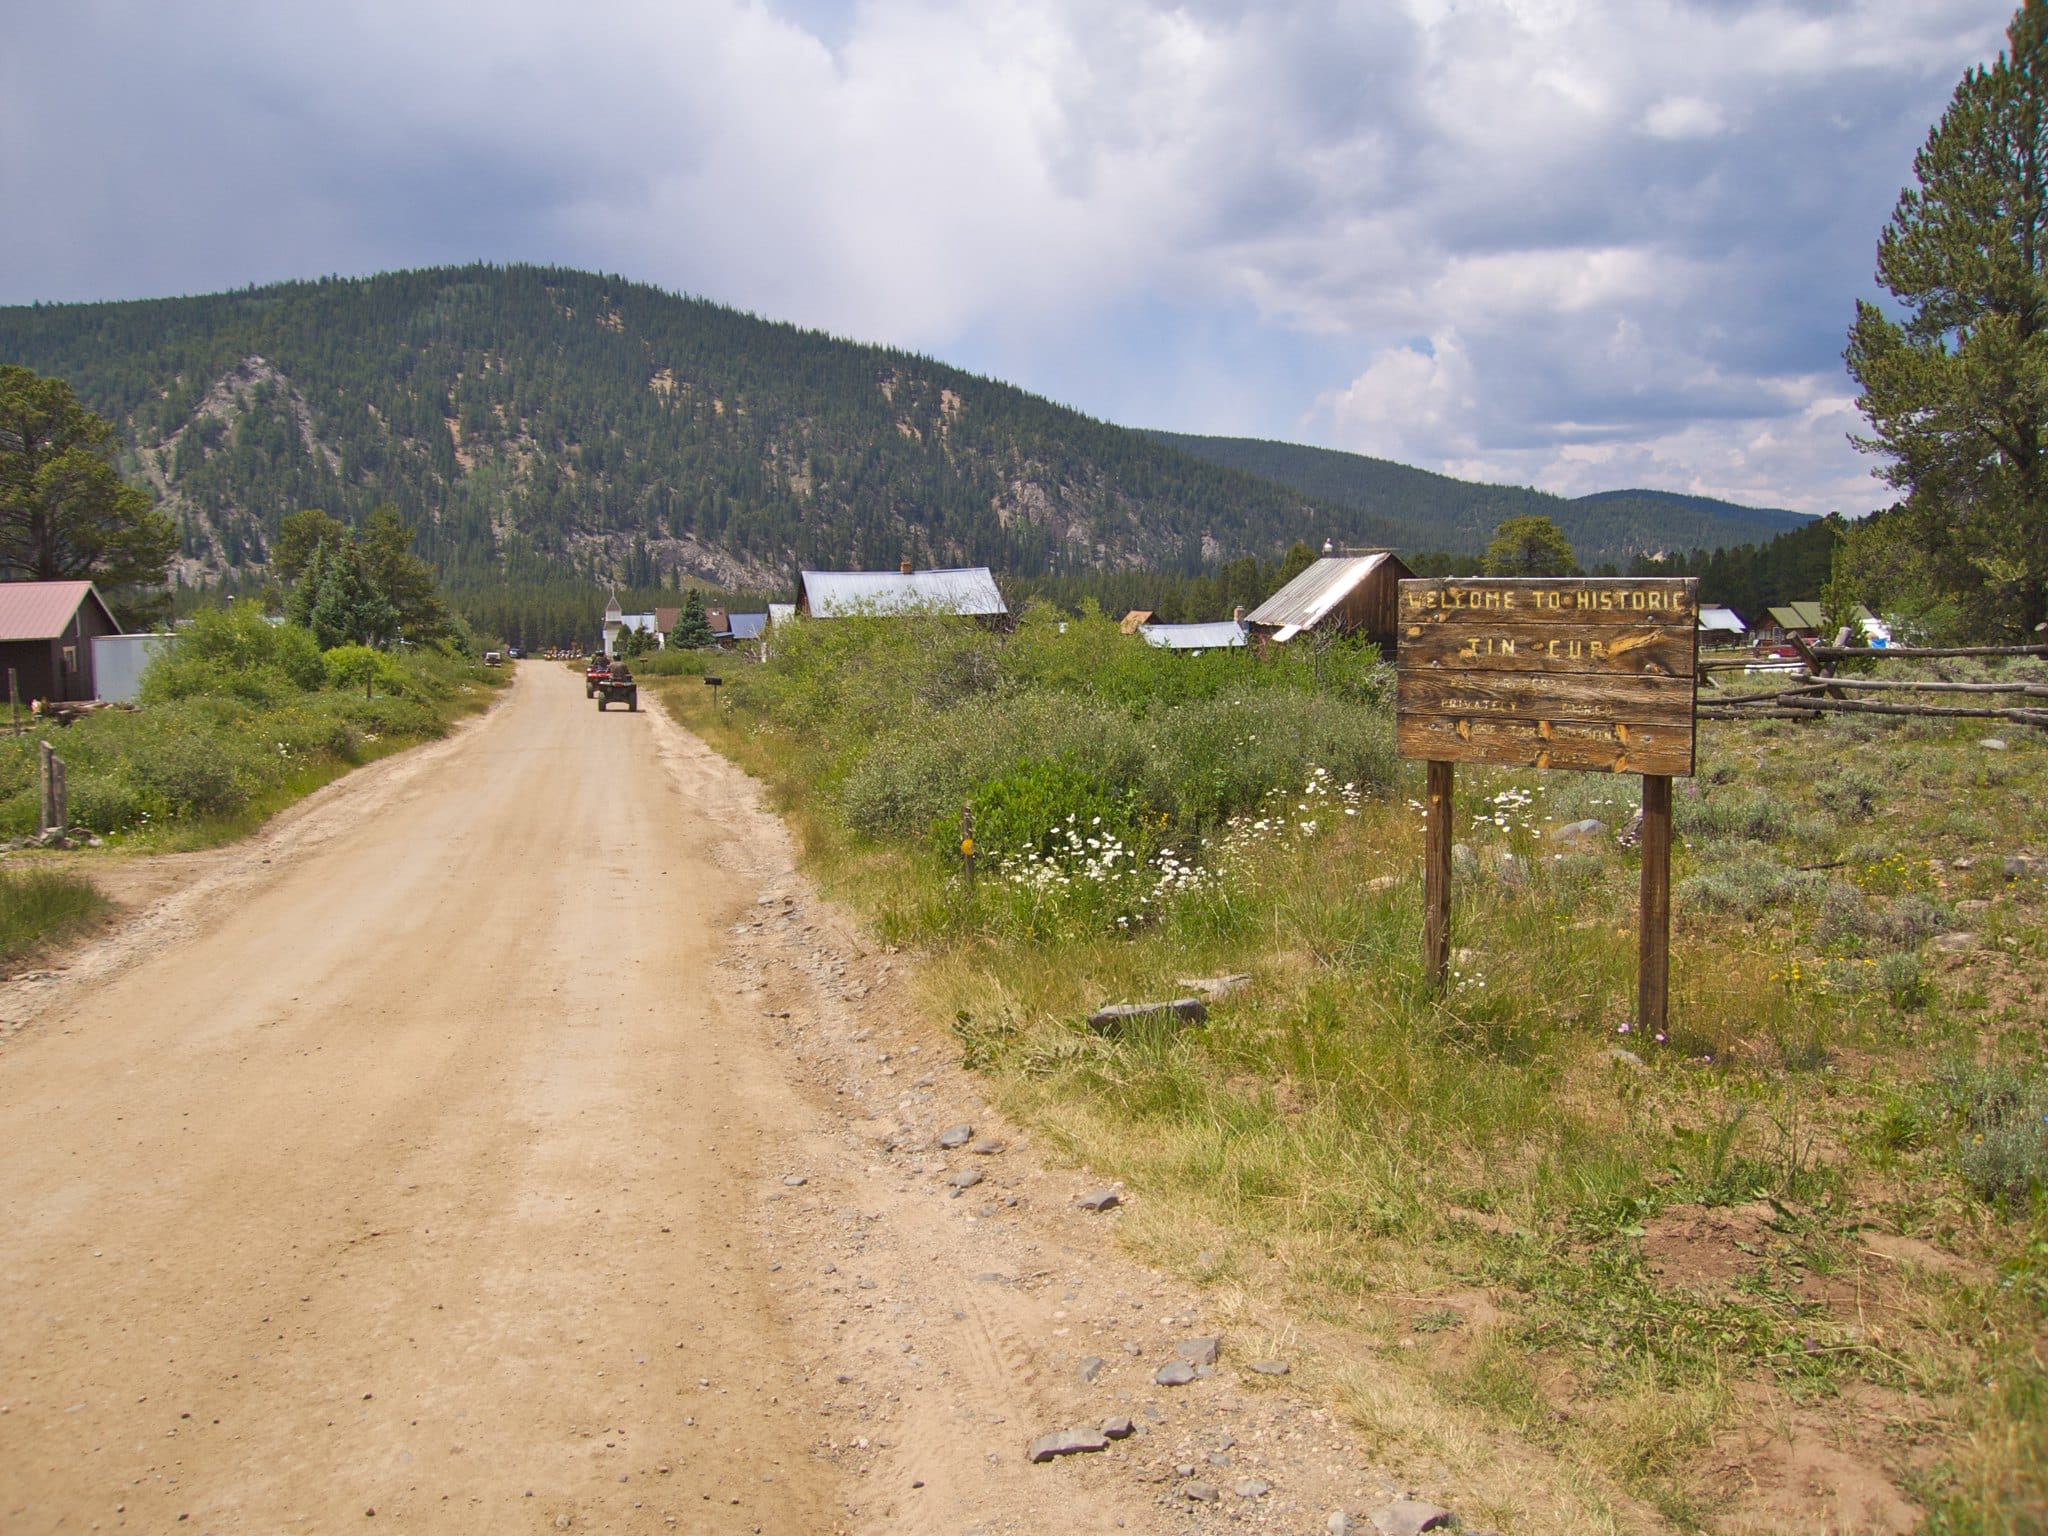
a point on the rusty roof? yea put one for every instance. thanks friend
(39, 610)
(1305, 601)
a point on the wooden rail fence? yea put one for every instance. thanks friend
(1815, 688)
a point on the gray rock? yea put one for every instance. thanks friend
(1252, 1488)
(1218, 1458)
(1109, 1019)
(1339, 1523)
(1119, 1428)
(1992, 744)
(1623, 1057)
(1410, 1517)
(988, 1146)
(1463, 860)
(1065, 1442)
(1511, 869)
(2024, 866)
(1198, 1351)
(1177, 1374)
(1100, 1200)
(966, 1178)
(1092, 1367)
(1271, 1367)
(1588, 836)
(1201, 1493)
(956, 1136)
(795, 1180)
(1955, 943)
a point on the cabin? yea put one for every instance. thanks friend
(1338, 595)
(1135, 620)
(1722, 626)
(46, 633)
(970, 593)
(1807, 621)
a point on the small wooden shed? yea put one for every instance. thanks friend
(46, 633)
(1339, 594)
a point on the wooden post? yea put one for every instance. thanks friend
(1436, 872)
(13, 702)
(967, 842)
(1653, 939)
(62, 798)
(46, 784)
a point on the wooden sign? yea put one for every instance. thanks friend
(1537, 672)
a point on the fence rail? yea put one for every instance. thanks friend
(1822, 691)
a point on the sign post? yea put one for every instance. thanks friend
(1593, 674)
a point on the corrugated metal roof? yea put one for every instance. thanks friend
(777, 612)
(1193, 637)
(748, 626)
(1718, 618)
(967, 593)
(1304, 601)
(41, 610)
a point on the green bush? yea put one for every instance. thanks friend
(235, 653)
(2000, 1116)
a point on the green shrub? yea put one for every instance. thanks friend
(2000, 1116)
(235, 653)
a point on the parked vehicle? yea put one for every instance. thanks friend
(492, 658)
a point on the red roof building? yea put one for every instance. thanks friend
(46, 634)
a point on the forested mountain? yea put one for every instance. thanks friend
(536, 424)
(1457, 516)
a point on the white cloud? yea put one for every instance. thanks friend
(1683, 117)
(1634, 226)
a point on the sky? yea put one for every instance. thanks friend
(1575, 244)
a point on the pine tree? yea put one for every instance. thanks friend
(693, 629)
(1957, 396)
(1529, 546)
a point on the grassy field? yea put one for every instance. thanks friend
(251, 719)
(1595, 1273)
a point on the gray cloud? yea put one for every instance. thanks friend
(1576, 243)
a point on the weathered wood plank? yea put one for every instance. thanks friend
(1621, 747)
(1482, 694)
(1617, 601)
(1509, 644)
(1653, 931)
(1436, 872)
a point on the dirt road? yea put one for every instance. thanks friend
(507, 1140)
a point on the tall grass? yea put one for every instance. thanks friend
(39, 906)
(1340, 1134)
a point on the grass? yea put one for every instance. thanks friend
(1340, 1137)
(41, 907)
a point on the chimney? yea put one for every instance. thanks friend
(1237, 616)
(1329, 547)
(905, 566)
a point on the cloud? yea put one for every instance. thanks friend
(1569, 238)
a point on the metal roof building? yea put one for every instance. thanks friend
(46, 634)
(968, 593)
(748, 626)
(1345, 594)
(1194, 637)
